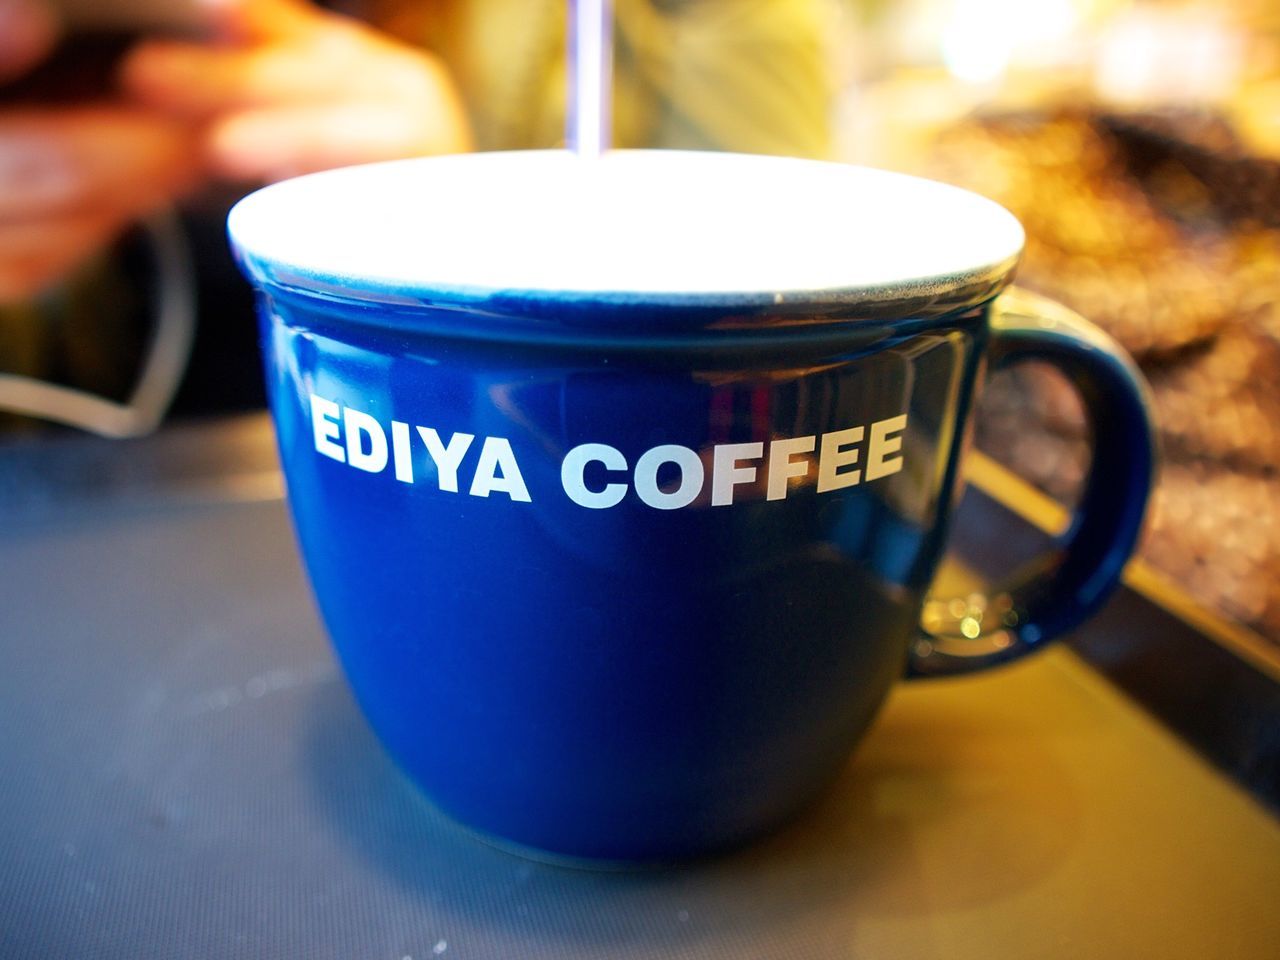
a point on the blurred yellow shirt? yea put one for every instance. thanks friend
(745, 75)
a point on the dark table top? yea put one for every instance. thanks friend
(183, 774)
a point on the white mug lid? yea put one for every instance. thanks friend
(656, 227)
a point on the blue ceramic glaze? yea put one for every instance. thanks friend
(576, 601)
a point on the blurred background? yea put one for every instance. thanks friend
(1139, 142)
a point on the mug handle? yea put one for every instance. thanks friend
(1061, 589)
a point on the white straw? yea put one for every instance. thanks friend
(589, 76)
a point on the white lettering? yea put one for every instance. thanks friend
(402, 451)
(646, 477)
(882, 446)
(498, 471)
(574, 466)
(843, 460)
(782, 466)
(725, 472)
(838, 451)
(446, 458)
(358, 425)
(324, 427)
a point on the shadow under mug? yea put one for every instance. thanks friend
(621, 550)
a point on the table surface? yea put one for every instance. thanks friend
(184, 774)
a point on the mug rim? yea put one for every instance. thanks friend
(283, 238)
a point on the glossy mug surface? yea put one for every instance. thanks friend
(621, 484)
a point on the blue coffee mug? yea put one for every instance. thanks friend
(621, 484)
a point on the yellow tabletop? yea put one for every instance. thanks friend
(1029, 812)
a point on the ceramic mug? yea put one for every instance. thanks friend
(621, 483)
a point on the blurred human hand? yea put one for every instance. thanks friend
(283, 88)
(28, 31)
(72, 178)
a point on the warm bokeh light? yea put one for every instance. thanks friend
(982, 38)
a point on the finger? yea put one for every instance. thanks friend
(28, 31)
(36, 254)
(196, 80)
(277, 143)
(38, 173)
(264, 21)
(59, 161)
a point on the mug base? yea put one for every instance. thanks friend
(714, 850)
